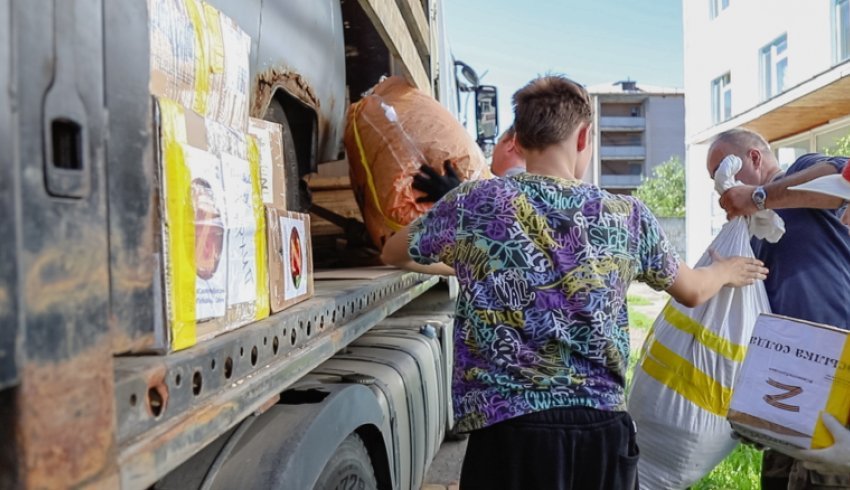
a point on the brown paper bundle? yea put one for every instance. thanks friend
(390, 134)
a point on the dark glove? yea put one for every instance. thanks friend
(434, 185)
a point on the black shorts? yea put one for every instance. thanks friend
(562, 448)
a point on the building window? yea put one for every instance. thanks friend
(774, 64)
(841, 30)
(717, 6)
(721, 98)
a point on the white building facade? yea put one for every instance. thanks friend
(779, 68)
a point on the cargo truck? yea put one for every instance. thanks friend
(349, 389)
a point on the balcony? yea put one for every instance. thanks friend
(622, 152)
(619, 181)
(621, 123)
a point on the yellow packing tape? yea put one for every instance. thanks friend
(838, 403)
(260, 236)
(675, 372)
(216, 40)
(180, 219)
(202, 57)
(704, 336)
(370, 181)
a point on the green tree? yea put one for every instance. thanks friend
(840, 148)
(664, 192)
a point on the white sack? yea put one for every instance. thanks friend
(680, 439)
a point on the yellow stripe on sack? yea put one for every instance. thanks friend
(675, 372)
(369, 180)
(260, 236)
(180, 219)
(216, 47)
(704, 336)
(202, 57)
(838, 403)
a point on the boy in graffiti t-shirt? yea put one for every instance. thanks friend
(544, 262)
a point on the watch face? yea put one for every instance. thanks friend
(759, 195)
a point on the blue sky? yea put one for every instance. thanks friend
(591, 41)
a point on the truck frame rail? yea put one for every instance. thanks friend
(170, 407)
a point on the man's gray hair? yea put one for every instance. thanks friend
(742, 138)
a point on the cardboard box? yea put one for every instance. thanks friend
(272, 173)
(213, 227)
(199, 57)
(793, 371)
(290, 258)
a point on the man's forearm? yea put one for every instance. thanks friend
(779, 196)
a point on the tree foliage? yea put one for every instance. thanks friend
(840, 148)
(664, 192)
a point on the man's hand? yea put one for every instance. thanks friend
(834, 459)
(434, 185)
(738, 201)
(748, 442)
(845, 217)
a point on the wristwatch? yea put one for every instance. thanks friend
(759, 196)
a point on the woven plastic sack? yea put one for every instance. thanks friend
(682, 385)
(389, 135)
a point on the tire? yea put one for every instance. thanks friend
(297, 196)
(349, 468)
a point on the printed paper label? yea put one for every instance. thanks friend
(266, 165)
(294, 257)
(787, 376)
(241, 231)
(209, 205)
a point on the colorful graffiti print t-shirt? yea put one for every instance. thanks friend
(543, 265)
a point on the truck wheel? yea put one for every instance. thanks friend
(297, 196)
(349, 468)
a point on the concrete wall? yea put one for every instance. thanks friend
(675, 230)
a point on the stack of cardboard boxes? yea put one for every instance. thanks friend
(290, 250)
(229, 247)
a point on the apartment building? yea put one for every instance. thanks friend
(636, 127)
(780, 68)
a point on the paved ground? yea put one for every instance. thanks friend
(445, 469)
(656, 304)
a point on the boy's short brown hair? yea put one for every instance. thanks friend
(547, 111)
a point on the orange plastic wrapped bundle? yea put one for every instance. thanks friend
(390, 134)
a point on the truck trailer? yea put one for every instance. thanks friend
(349, 389)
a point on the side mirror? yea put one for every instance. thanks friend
(486, 114)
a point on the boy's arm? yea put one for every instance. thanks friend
(738, 201)
(396, 252)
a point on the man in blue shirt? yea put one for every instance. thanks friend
(809, 267)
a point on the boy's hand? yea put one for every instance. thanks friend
(434, 185)
(739, 271)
